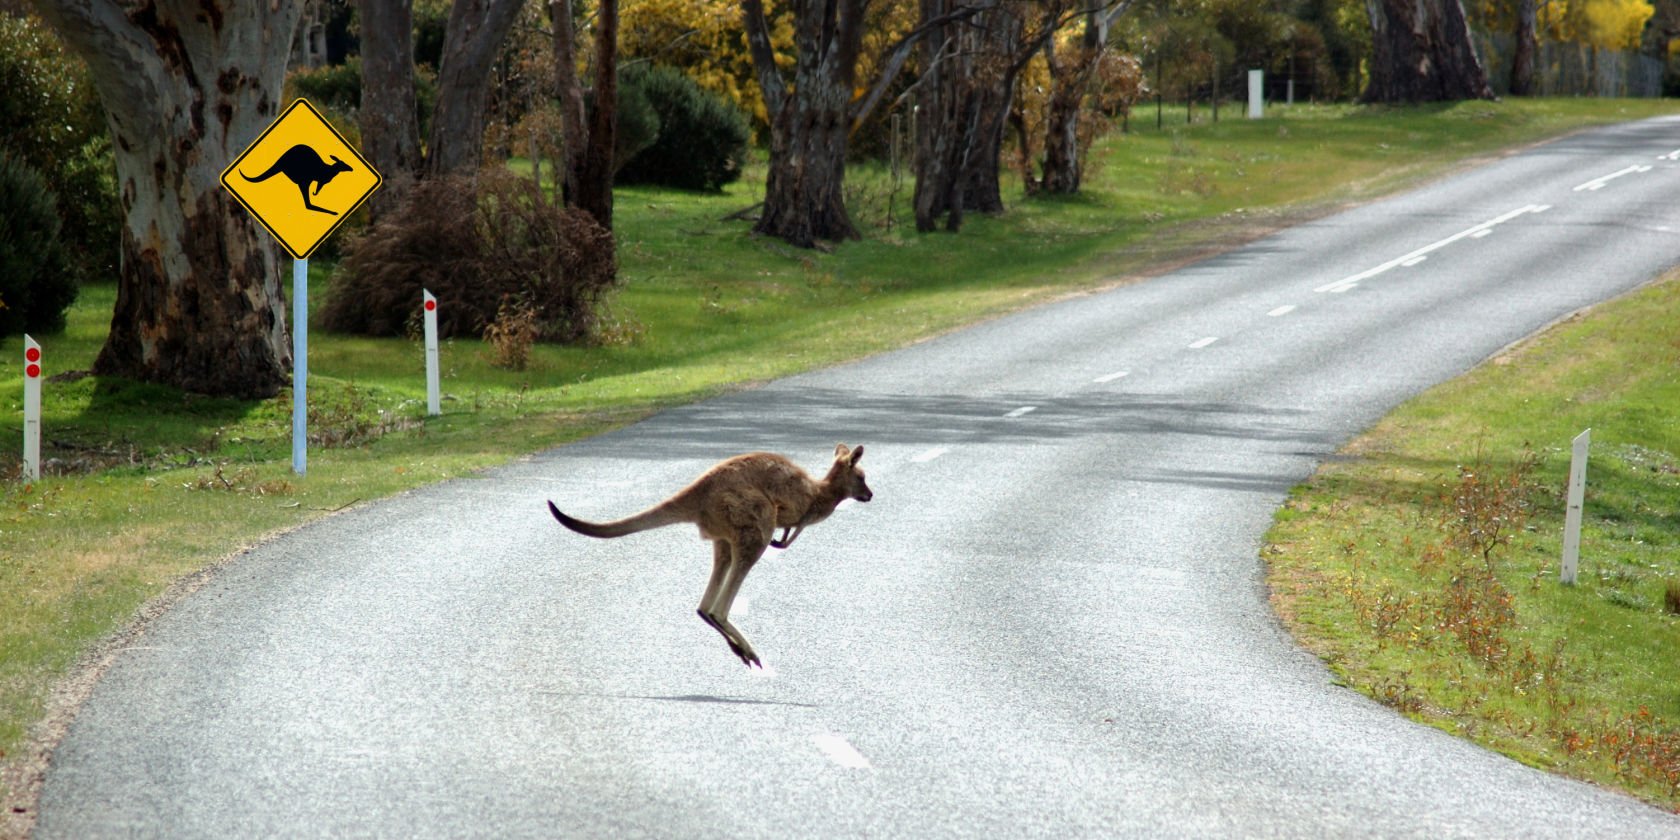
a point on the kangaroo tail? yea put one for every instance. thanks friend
(654, 517)
(263, 177)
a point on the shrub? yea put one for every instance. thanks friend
(639, 124)
(475, 245)
(702, 136)
(336, 90)
(336, 86)
(51, 120)
(511, 335)
(35, 283)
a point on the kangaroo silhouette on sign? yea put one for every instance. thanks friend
(303, 166)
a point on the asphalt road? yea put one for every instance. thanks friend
(1049, 622)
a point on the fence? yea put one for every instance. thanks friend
(1570, 69)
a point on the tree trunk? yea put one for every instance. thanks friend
(389, 116)
(804, 202)
(595, 181)
(1522, 61)
(1069, 76)
(1421, 52)
(477, 29)
(1070, 83)
(964, 107)
(568, 90)
(187, 86)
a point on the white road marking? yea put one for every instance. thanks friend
(1025, 409)
(1599, 182)
(1413, 261)
(1480, 233)
(840, 752)
(930, 454)
(1110, 377)
(1353, 280)
(1282, 310)
(1674, 155)
(1203, 342)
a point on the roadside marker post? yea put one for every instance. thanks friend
(429, 304)
(31, 409)
(1577, 496)
(1256, 92)
(279, 178)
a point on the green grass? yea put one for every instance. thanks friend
(159, 484)
(1581, 679)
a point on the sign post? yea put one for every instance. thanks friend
(1256, 93)
(299, 160)
(300, 366)
(429, 304)
(1577, 498)
(31, 409)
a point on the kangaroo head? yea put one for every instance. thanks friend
(338, 165)
(846, 472)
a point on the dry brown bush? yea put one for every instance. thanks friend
(475, 243)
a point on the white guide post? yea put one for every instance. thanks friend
(1577, 495)
(300, 365)
(1255, 93)
(429, 303)
(31, 409)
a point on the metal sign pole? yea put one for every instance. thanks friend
(429, 305)
(300, 365)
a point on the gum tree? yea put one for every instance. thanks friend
(185, 87)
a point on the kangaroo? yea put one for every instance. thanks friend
(303, 166)
(739, 504)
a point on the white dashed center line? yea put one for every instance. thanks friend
(840, 752)
(1282, 310)
(1599, 182)
(1416, 256)
(1025, 409)
(930, 454)
(1674, 155)
(1110, 377)
(1203, 342)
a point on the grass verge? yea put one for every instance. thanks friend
(1424, 569)
(148, 485)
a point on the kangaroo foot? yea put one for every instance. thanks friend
(737, 643)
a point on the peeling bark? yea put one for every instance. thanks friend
(804, 201)
(477, 29)
(1421, 52)
(186, 86)
(389, 114)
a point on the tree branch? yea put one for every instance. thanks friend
(770, 79)
(897, 56)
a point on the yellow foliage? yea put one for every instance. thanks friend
(1607, 24)
(1616, 24)
(707, 40)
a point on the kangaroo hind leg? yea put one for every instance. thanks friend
(722, 560)
(304, 188)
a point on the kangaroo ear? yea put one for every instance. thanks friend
(856, 454)
(841, 453)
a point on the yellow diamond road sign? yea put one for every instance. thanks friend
(301, 179)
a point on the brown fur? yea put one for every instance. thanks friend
(738, 505)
